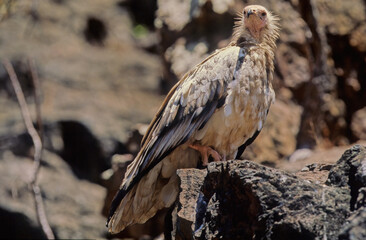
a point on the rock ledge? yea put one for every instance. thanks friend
(245, 200)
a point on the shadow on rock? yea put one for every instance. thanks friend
(241, 199)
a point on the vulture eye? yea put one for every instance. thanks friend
(264, 14)
(245, 12)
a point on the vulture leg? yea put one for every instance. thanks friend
(206, 152)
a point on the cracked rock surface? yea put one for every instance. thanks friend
(245, 200)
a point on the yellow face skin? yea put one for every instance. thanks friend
(255, 19)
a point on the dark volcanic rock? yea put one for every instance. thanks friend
(266, 203)
(350, 172)
(356, 228)
(183, 214)
(244, 200)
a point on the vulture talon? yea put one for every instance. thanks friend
(206, 152)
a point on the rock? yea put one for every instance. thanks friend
(244, 200)
(184, 58)
(183, 215)
(358, 38)
(142, 11)
(300, 154)
(318, 156)
(176, 20)
(340, 17)
(73, 207)
(350, 171)
(90, 85)
(293, 67)
(292, 64)
(355, 229)
(188, 11)
(316, 173)
(344, 23)
(358, 124)
(191, 178)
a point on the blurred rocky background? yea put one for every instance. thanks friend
(105, 67)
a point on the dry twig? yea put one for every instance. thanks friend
(41, 214)
(37, 96)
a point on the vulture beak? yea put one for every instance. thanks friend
(250, 12)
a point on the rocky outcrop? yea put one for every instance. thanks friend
(73, 207)
(355, 229)
(91, 73)
(244, 200)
